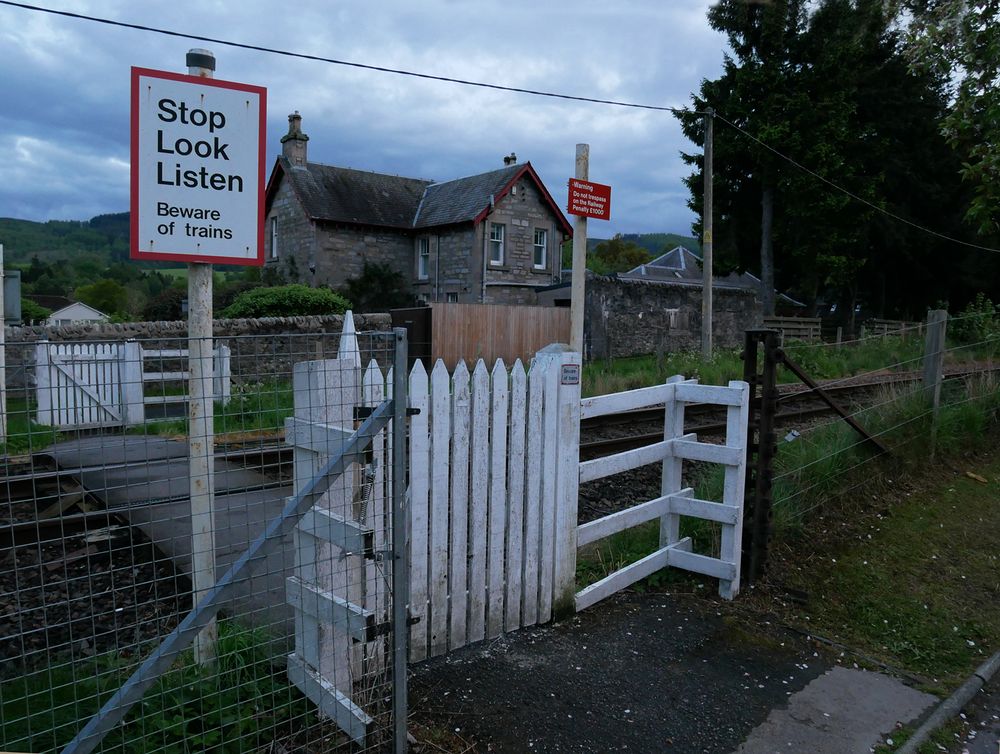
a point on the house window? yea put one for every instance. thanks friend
(423, 258)
(496, 243)
(274, 238)
(540, 259)
(452, 298)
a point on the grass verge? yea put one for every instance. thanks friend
(244, 706)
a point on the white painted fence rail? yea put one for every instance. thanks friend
(674, 501)
(84, 385)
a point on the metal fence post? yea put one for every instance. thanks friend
(934, 365)
(400, 557)
(762, 444)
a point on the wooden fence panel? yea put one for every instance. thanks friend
(498, 499)
(494, 331)
(419, 488)
(458, 563)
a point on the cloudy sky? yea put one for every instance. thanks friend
(64, 91)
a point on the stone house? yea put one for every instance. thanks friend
(488, 238)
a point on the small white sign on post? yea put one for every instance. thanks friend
(197, 169)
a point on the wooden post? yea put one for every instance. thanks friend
(937, 320)
(840, 335)
(579, 279)
(706, 244)
(570, 368)
(201, 431)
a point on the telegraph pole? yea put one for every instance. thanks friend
(706, 242)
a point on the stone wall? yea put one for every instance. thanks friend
(342, 251)
(261, 349)
(629, 318)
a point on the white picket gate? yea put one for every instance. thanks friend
(675, 501)
(494, 474)
(89, 385)
(485, 552)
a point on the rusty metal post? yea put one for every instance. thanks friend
(761, 447)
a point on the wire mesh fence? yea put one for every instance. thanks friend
(97, 559)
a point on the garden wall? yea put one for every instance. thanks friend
(634, 317)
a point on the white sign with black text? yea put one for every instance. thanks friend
(197, 169)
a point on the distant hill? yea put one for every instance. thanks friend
(655, 243)
(57, 239)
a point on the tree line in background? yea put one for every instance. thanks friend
(895, 102)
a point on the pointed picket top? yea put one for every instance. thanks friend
(373, 383)
(418, 374)
(518, 372)
(349, 341)
(480, 370)
(439, 375)
(499, 371)
(461, 372)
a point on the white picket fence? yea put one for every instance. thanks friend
(484, 551)
(494, 473)
(86, 385)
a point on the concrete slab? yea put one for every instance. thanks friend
(127, 486)
(109, 450)
(239, 519)
(841, 712)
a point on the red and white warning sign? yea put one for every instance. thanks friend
(589, 199)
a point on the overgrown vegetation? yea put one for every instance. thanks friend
(246, 705)
(286, 301)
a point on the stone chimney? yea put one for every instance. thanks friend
(293, 144)
(510, 159)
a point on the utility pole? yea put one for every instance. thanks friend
(706, 242)
(201, 431)
(579, 279)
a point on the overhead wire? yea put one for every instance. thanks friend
(347, 63)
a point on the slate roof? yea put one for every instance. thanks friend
(355, 196)
(682, 266)
(462, 199)
(358, 197)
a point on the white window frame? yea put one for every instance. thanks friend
(496, 243)
(423, 258)
(274, 237)
(544, 246)
(451, 297)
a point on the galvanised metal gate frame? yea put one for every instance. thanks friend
(159, 662)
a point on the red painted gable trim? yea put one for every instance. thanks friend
(527, 168)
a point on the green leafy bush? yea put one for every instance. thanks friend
(978, 322)
(32, 312)
(286, 301)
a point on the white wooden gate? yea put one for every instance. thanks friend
(80, 385)
(675, 500)
(89, 385)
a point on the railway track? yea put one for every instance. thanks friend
(45, 495)
(710, 420)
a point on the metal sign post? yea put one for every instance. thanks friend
(197, 195)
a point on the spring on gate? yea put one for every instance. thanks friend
(364, 493)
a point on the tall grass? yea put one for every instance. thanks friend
(244, 705)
